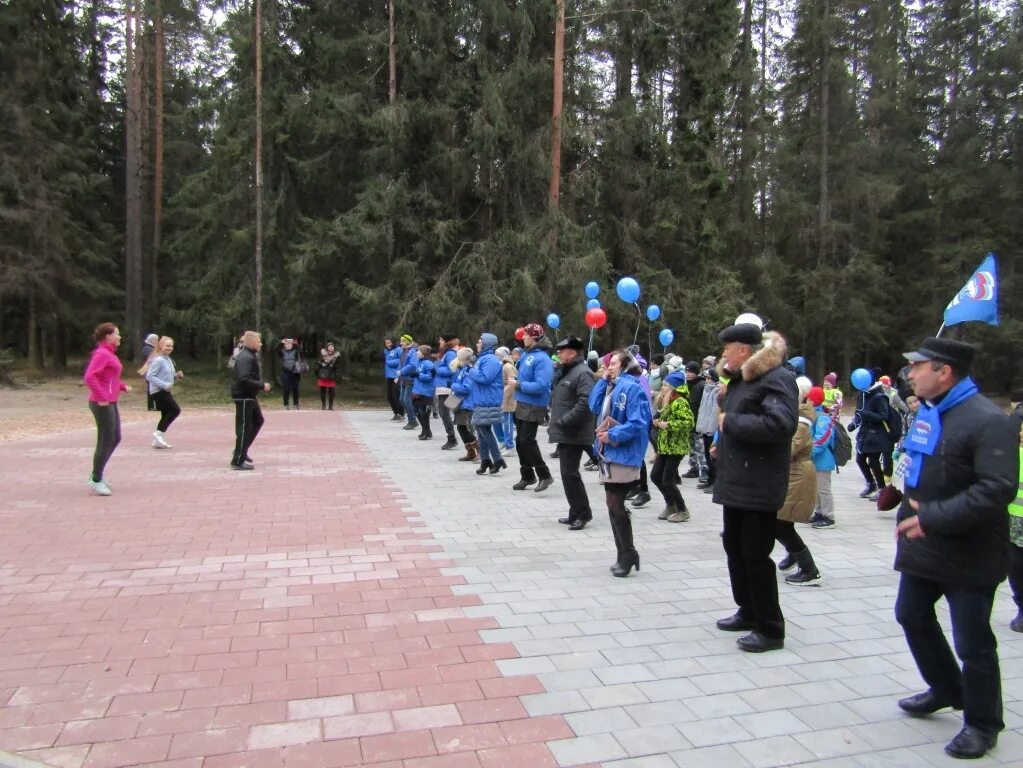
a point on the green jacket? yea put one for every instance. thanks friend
(675, 440)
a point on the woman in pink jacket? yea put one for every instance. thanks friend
(103, 378)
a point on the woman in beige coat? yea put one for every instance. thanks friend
(801, 497)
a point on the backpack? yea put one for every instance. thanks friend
(893, 423)
(841, 444)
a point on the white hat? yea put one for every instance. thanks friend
(748, 318)
(152, 338)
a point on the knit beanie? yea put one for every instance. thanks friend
(535, 330)
(503, 352)
(406, 339)
(831, 378)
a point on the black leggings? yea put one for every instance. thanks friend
(394, 397)
(290, 381)
(423, 406)
(108, 435)
(326, 393)
(785, 534)
(870, 467)
(465, 432)
(663, 476)
(168, 408)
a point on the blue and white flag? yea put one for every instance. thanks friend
(978, 299)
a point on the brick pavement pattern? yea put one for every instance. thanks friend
(364, 599)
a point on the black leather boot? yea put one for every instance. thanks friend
(484, 466)
(628, 557)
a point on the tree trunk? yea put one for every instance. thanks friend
(559, 85)
(35, 353)
(259, 164)
(392, 54)
(133, 184)
(59, 346)
(158, 53)
(822, 204)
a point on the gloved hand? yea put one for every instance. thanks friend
(851, 426)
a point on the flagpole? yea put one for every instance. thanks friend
(940, 330)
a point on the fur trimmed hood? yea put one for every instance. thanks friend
(767, 359)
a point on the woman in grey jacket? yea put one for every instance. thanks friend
(160, 377)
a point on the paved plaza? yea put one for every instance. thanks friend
(362, 598)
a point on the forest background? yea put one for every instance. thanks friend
(346, 169)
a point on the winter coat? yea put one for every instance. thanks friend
(823, 450)
(755, 444)
(392, 358)
(509, 374)
(870, 420)
(423, 385)
(801, 498)
(247, 375)
(409, 364)
(160, 374)
(677, 438)
(487, 382)
(696, 387)
(290, 359)
(326, 368)
(461, 385)
(707, 419)
(572, 422)
(103, 374)
(536, 373)
(963, 491)
(630, 407)
(443, 373)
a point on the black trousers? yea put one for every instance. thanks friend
(465, 432)
(394, 397)
(870, 468)
(248, 420)
(663, 474)
(423, 405)
(569, 457)
(327, 395)
(1016, 576)
(979, 683)
(531, 463)
(108, 436)
(708, 443)
(289, 385)
(785, 533)
(887, 467)
(168, 408)
(748, 540)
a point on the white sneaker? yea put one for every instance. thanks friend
(100, 488)
(159, 441)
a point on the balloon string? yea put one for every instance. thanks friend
(639, 312)
(590, 347)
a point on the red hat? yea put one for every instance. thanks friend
(535, 330)
(815, 396)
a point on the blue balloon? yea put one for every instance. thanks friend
(592, 290)
(628, 290)
(593, 304)
(666, 337)
(862, 379)
(653, 312)
(553, 321)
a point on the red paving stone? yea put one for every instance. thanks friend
(205, 618)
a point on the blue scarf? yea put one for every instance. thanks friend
(926, 432)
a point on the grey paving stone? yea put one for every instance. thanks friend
(650, 761)
(628, 673)
(661, 713)
(613, 695)
(833, 742)
(609, 720)
(762, 725)
(590, 749)
(556, 703)
(773, 751)
(652, 740)
(708, 732)
(720, 756)
(572, 680)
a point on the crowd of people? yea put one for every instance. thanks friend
(758, 435)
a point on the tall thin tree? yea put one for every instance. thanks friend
(158, 55)
(559, 89)
(259, 163)
(133, 179)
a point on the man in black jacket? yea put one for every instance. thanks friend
(572, 427)
(759, 414)
(961, 466)
(247, 383)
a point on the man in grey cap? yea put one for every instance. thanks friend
(759, 414)
(572, 427)
(961, 467)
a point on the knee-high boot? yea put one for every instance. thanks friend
(628, 557)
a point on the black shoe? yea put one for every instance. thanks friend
(522, 485)
(631, 494)
(702, 483)
(591, 466)
(786, 562)
(869, 489)
(1016, 625)
(971, 743)
(450, 444)
(498, 467)
(734, 623)
(640, 499)
(544, 484)
(423, 437)
(579, 523)
(755, 642)
(824, 522)
(566, 520)
(241, 465)
(555, 454)
(397, 417)
(803, 578)
(693, 472)
(927, 703)
(709, 488)
(622, 569)
(484, 466)
(410, 426)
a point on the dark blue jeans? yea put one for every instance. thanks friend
(979, 683)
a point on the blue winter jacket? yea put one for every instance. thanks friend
(411, 364)
(536, 372)
(424, 376)
(392, 357)
(462, 385)
(823, 450)
(487, 381)
(630, 407)
(444, 372)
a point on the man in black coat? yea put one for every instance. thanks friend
(961, 467)
(246, 385)
(572, 427)
(759, 414)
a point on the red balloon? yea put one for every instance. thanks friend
(596, 317)
(520, 334)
